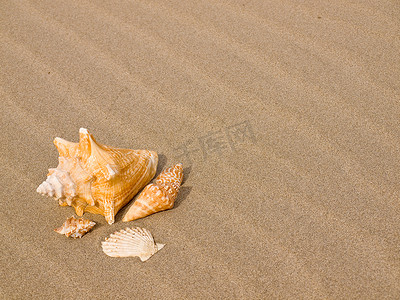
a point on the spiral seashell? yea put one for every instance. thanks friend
(96, 178)
(131, 242)
(157, 197)
(58, 185)
(75, 228)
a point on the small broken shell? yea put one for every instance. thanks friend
(75, 228)
(157, 197)
(131, 242)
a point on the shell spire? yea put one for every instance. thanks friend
(65, 148)
(157, 196)
(96, 178)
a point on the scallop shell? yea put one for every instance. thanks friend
(96, 178)
(75, 228)
(157, 197)
(131, 242)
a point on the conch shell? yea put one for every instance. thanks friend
(131, 242)
(75, 228)
(95, 178)
(157, 197)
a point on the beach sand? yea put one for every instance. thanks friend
(285, 116)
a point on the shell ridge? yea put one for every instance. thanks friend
(131, 242)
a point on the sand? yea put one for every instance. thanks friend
(284, 114)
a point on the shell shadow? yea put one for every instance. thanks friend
(186, 173)
(98, 226)
(184, 192)
(119, 216)
(162, 161)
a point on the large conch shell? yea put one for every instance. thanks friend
(95, 178)
(157, 197)
(75, 228)
(131, 242)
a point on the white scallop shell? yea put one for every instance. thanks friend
(131, 242)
